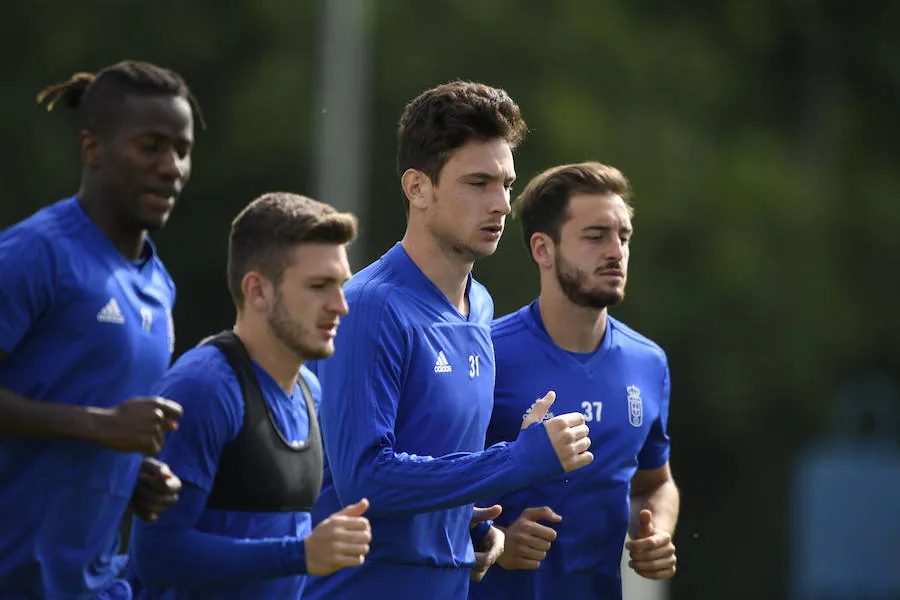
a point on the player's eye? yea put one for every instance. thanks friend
(149, 144)
(183, 149)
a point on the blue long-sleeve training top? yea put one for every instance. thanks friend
(406, 401)
(196, 553)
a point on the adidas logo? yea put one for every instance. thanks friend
(442, 365)
(111, 313)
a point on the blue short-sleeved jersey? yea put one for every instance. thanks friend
(80, 324)
(623, 391)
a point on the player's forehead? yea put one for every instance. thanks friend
(598, 210)
(492, 158)
(155, 114)
(315, 260)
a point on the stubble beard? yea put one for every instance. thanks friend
(572, 282)
(291, 334)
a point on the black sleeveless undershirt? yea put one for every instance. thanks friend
(260, 471)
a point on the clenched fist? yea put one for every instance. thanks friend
(136, 425)
(568, 433)
(527, 541)
(652, 551)
(491, 546)
(156, 490)
(341, 540)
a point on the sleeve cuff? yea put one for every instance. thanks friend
(534, 455)
(479, 532)
(297, 557)
(653, 461)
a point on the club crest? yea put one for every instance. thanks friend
(635, 406)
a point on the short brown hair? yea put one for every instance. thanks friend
(264, 232)
(544, 204)
(445, 118)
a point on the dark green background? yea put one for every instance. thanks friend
(760, 138)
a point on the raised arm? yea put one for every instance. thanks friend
(361, 384)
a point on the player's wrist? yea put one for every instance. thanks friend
(534, 454)
(92, 424)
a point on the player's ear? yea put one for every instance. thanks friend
(89, 148)
(417, 187)
(258, 291)
(543, 250)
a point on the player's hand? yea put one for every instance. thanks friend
(156, 490)
(491, 546)
(652, 551)
(341, 540)
(568, 433)
(136, 425)
(527, 541)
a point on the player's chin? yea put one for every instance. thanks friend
(153, 212)
(154, 222)
(483, 250)
(614, 294)
(320, 352)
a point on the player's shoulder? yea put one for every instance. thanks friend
(377, 295)
(634, 341)
(206, 386)
(47, 230)
(373, 284)
(510, 326)
(201, 375)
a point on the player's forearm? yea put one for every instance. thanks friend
(24, 417)
(171, 553)
(663, 501)
(184, 557)
(402, 483)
